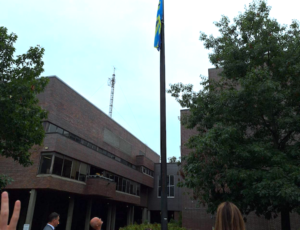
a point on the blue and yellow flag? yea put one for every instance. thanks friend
(159, 18)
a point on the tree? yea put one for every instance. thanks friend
(21, 116)
(247, 149)
(174, 160)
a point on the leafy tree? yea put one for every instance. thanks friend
(20, 116)
(247, 149)
(174, 160)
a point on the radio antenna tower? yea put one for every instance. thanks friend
(111, 82)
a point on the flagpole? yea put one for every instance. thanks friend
(163, 141)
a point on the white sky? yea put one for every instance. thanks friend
(84, 39)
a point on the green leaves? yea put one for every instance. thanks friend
(248, 120)
(20, 82)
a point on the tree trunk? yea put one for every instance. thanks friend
(285, 220)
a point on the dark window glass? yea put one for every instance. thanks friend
(133, 166)
(83, 172)
(89, 145)
(159, 191)
(131, 188)
(94, 147)
(138, 190)
(171, 180)
(45, 164)
(67, 168)
(77, 139)
(75, 170)
(72, 136)
(100, 150)
(51, 128)
(57, 166)
(123, 185)
(127, 186)
(172, 191)
(84, 142)
(66, 133)
(119, 185)
(59, 130)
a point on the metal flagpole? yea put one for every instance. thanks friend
(163, 141)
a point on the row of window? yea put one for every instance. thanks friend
(57, 164)
(170, 187)
(53, 163)
(51, 128)
(125, 185)
(147, 171)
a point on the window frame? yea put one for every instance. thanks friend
(168, 186)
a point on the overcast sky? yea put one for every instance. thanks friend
(84, 39)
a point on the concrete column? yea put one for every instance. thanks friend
(145, 215)
(132, 215)
(113, 217)
(88, 215)
(70, 213)
(149, 216)
(108, 221)
(129, 215)
(31, 206)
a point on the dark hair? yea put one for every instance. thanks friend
(53, 216)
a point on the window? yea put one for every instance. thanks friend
(138, 190)
(123, 185)
(57, 166)
(147, 171)
(83, 172)
(59, 130)
(66, 133)
(170, 187)
(67, 168)
(46, 162)
(51, 128)
(127, 186)
(75, 170)
(119, 185)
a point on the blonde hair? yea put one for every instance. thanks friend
(229, 217)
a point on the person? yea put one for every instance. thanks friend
(96, 223)
(53, 221)
(229, 217)
(4, 212)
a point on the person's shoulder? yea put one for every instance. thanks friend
(47, 227)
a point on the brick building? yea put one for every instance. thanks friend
(88, 165)
(195, 217)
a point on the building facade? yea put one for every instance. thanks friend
(88, 165)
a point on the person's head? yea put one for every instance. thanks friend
(53, 219)
(96, 223)
(229, 217)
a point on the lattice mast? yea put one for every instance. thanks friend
(111, 83)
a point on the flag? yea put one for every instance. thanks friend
(159, 18)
